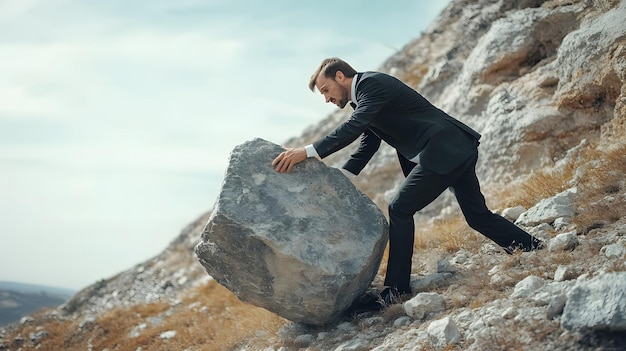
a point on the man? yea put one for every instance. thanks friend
(435, 151)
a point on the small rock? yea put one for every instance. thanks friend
(423, 304)
(26, 320)
(547, 210)
(443, 332)
(461, 257)
(562, 223)
(500, 279)
(444, 266)
(512, 213)
(614, 251)
(564, 242)
(488, 248)
(527, 286)
(495, 269)
(402, 321)
(509, 313)
(34, 337)
(168, 334)
(137, 330)
(555, 307)
(564, 273)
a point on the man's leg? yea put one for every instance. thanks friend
(479, 217)
(420, 188)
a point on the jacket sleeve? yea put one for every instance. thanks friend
(368, 146)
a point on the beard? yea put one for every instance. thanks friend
(344, 98)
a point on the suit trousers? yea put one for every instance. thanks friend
(421, 187)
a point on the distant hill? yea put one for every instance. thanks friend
(18, 299)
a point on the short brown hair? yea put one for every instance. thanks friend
(329, 67)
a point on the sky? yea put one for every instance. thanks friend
(117, 117)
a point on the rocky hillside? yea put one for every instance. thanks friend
(544, 83)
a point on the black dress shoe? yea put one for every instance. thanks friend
(391, 295)
(374, 302)
(369, 302)
(535, 245)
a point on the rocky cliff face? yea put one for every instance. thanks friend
(536, 79)
(533, 77)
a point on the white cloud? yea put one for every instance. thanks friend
(64, 80)
(10, 9)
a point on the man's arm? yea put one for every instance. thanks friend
(369, 144)
(371, 101)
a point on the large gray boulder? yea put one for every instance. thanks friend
(303, 244)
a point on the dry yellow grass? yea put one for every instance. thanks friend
(448, 235)
(600, 178)
(226, 322)
(602, 188)
(210, 318)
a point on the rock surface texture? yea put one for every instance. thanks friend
(599, 303)
(303, 244)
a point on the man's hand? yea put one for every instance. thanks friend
(288, 158)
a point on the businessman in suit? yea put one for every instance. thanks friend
(436, 152)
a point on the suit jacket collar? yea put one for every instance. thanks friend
(355, 81)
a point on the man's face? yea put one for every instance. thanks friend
(332, 90)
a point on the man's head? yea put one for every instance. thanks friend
(333, 79)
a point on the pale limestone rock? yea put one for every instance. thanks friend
(564, 273)
(614, 251)
(512, 213)
(564, 242)
(423, 304)
(443, 332)
(562, 223)
(599, 304)
(527, 286)
(547, 210)
(168, 334)
(556, 305)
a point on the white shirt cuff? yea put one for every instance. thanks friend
(347, 173)
(310, 151)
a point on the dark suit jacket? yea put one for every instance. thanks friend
(390, 110)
